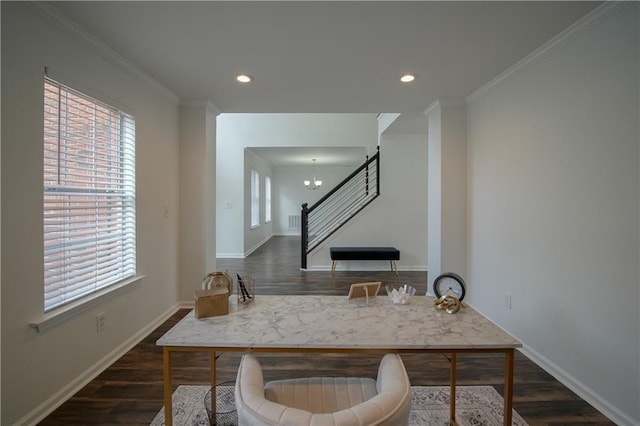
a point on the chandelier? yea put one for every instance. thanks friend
(313, 183)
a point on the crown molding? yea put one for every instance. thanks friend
(443, 103)
(54, 17)
(608, 8)
(201, 103)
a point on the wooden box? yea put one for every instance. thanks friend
(212, 303)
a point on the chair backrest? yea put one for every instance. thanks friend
(391, 406)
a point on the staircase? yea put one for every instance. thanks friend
(340, 205)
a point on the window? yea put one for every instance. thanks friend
(255, 198)
(89, 195)
(267, 199)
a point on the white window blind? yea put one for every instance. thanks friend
(89, 195)
(255, 198)
(267, 199)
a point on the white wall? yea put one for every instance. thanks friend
(397, 218)
(197, 196)
(0, 234)
(290, 192)
(447, 200)
(434, 195)
(235, 132)
(40, 368)
(553, 200)
(255, 237)
(230, 184)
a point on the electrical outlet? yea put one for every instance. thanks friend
(507, 300)
(100, 322)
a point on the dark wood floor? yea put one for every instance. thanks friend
(130, 391)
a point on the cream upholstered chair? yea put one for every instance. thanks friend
(324, 401)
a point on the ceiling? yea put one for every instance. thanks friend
(325, 156)
(327, 56)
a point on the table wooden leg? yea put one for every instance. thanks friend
(452, 404)
(213, 384)
(508, 386)
(168, 409)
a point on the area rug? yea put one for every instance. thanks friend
(475, 406)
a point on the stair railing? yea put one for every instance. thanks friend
(339, 205)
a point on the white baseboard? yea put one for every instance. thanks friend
(230, 255)
(318, 268)
(56, 400)
(409, 268)
(401, 268)
(186, 304)
(601, 404)
(242, 255)
(257, 246)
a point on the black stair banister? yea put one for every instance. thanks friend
(375, 159)
(339, 205)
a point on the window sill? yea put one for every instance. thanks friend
(66, 312)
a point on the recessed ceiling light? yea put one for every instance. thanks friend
(244, 78)
(408, 78)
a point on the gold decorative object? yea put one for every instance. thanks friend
(448, 303)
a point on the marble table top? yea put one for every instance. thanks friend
(334, 322)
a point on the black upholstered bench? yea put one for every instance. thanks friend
(365, 253)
